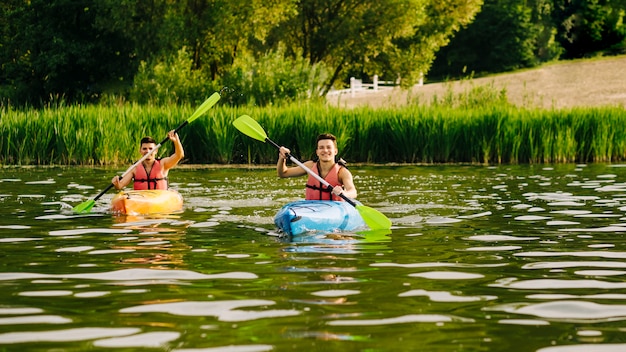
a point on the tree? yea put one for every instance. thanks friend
(393, 38)
(506, 35)
(416, 53)
(56, 51)
(588, 26)
(216, 30)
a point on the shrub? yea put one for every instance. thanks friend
(172, 81)
(272, 79)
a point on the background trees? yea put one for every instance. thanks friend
(60, 48)
(168, 51)
(513, 34)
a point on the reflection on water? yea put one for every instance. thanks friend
(506, 258)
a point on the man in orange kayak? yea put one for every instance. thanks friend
(336, 174)
(152, 173)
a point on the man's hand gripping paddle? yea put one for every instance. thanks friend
(85, 207)
(372, 217)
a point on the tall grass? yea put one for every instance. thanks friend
(483, 133)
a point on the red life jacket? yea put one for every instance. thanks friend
(315, 190)
(155, 180)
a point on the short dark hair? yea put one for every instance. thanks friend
(147, 140)
(326, 136)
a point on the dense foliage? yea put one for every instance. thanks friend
(78, 50)
(270, 52)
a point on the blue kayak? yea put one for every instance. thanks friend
(302, 216)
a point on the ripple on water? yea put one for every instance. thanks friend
(19, 239)
(530, 322)
(205, 224)
(536, 209)
(557, 284)
(133, 275)
(442, 221)
(49, 293)
(601, 245)
(74, 232)
(600, 272)
(335, 293)
(31, 196)
(14, 227)
(222, 310)
(437, 264)
(447, 275)
(598, 216)
(153, 339)
(561, 223)
(560, 265)
(569, 311)
(566, 204)
(571, 212)
(501, 238)
(43, 182)
(111, 251)
(531, 217)
(78, 334)
(444, 296)
(493, 249)
(474, 216)
(75, 249)
(66, 216)
(404, 319)
(233, 256)
(21, 310)
(92, 294)
(35, 319)
(599, 254)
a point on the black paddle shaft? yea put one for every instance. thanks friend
(326, 184)
(175, 131)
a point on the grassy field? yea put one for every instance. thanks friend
(581, 83)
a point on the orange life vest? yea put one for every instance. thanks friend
(155, 180)
(315, 190)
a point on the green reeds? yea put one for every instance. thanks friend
(487, 133)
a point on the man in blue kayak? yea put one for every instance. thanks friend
(152, 172)
(335, 173)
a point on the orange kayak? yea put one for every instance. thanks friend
(147, 202)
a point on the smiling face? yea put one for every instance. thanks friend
(147, 148)
(326, 150)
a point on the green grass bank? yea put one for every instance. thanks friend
(492, 133)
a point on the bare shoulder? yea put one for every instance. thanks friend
(344, 172)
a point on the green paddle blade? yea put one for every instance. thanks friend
(248, 126)
(84, 207)
(373, 218)
(212, 100)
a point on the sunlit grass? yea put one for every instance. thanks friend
(489, 132)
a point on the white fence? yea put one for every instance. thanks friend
(357, 85)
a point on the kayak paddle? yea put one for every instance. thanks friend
(372, 217)
(86, 206)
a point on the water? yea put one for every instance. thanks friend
(507, 258)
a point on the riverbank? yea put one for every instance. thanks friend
(580, 83)
(489, 132)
